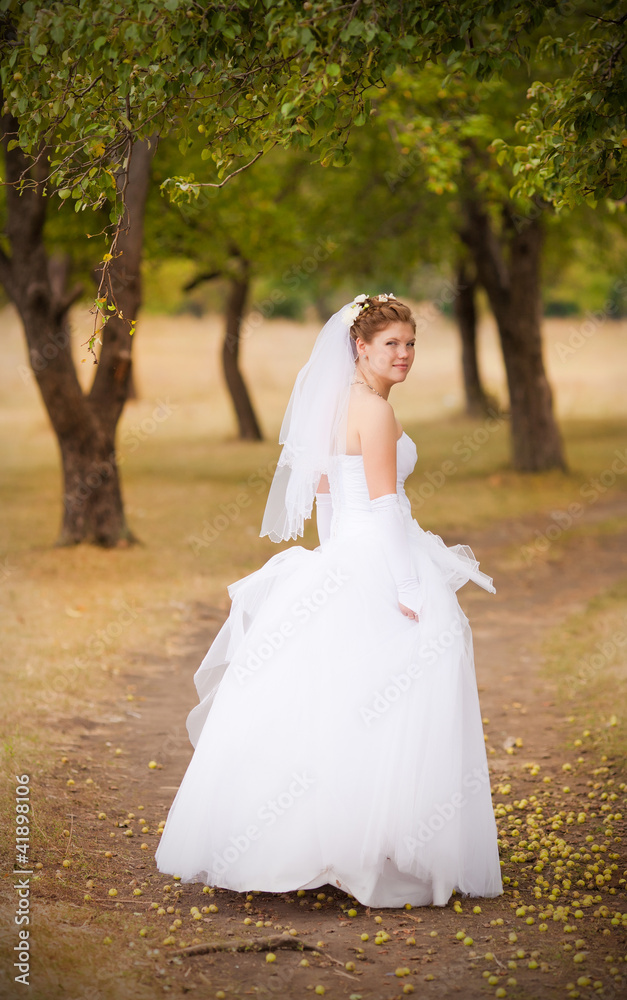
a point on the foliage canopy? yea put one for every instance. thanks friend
(84, 79)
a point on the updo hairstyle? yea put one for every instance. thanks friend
(376, 314)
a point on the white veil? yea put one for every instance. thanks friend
(313, 429)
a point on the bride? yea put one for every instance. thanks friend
(338, 736)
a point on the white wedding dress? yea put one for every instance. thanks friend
(337, 741)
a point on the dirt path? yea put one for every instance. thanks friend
(527, 961)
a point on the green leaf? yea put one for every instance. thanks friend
(333, 69)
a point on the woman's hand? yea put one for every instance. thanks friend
(408, 612)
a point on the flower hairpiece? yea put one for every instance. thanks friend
(359, 303)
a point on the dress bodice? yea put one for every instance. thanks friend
(349, 490)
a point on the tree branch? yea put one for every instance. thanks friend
(198, 280)
(235, 172)
(255, 944)
(62, 306)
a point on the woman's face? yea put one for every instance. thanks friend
(390, 353)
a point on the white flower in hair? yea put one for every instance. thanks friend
(360, 302)
(350, 314)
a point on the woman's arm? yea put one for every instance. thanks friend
(378, 436)
(324, 510)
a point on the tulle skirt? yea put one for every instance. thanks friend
(337, 741)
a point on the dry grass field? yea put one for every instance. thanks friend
(91, 635)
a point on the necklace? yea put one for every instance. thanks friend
(358, 381)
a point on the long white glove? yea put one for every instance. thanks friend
(391, 528)
(324, 514)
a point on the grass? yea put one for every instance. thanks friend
(587, 657)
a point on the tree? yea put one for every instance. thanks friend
(85, 424)
(478, 403)
(572, 139)
(253, 228)
(448, 122)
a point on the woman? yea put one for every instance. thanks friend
(338, 738)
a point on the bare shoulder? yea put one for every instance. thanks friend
(370, 416)
(369, 407)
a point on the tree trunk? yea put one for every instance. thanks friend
(477, 402)
(512, 283)
(131, 393)
(84, 425)
(249, 429)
